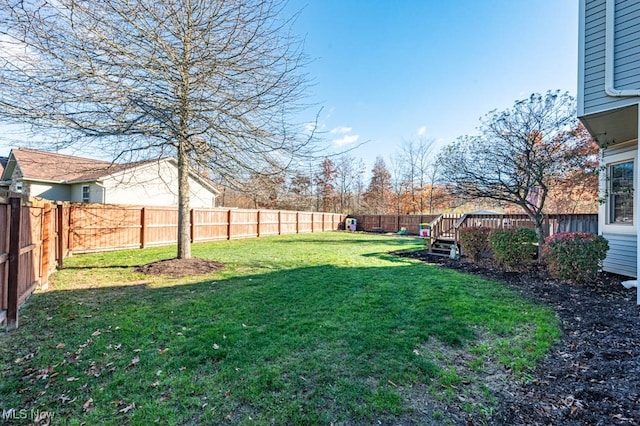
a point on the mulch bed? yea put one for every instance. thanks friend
(592, 376)
(177, 268)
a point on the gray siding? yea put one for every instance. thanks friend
(626, 56)
(621, 257)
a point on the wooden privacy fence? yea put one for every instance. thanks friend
(450, 224)
(392, 223)
(29, 252)
(36, 236)
(97, 227)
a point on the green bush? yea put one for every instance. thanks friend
(512, 247)
(574, 256)
(475, 241)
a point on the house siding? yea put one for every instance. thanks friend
(49, 191)
(154, 185)
(96, 193)
(621, 257)
(626, 55)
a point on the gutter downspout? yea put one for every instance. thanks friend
(609, 57)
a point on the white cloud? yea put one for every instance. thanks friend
(340, 130)
(422, 131)
(346, 140)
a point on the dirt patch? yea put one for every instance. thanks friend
(592, 376)
(176, 268)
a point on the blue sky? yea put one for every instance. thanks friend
(386, 71)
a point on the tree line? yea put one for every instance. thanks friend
(533, 158)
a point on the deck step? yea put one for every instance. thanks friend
(442, 247)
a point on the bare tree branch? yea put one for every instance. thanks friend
(213, 83)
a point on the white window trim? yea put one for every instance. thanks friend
(605, 208)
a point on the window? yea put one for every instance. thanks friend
(621, 193)
(18, 187)
(85, 193)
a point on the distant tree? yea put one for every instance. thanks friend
(377, 195)
(326, 185)
(416, 157)
(518, 156)
(400, 186)
(266, 189)
(348, 172)
(434, 190)
(577, 190)
(209, 82)
(301, 188)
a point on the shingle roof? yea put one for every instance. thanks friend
(53, 167)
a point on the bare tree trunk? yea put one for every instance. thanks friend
(184, 221)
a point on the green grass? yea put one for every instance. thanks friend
(301, 329)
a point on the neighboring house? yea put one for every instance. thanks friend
(608, 98)
(68, 178)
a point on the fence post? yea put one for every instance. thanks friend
(258, 226)
(229, 224)
(14, 263)
(143, 228)
(279, 222)
(60, 228)
(192, 226)
(71, 228)
(45, 247)
(297, 222)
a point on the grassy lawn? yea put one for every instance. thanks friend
(300, 329)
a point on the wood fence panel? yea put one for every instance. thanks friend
(243, 224)
(4, 251)
(305, 222)
(328, 222)
(574, 223)
(269, 223)
(411, 223)
(388, 223)
(63, 212)
(96, 228)
(288, 222)
(210, 225)
(317, 222)
(30, 251)
(161, 226)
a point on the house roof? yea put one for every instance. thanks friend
(61, 168)
(53, 167)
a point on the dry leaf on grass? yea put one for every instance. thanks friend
(128, 408)
(134, 362)
(88, 405)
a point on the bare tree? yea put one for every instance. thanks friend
(400, 187)
(348, 172)
(519, 155)
(213, 82)
(415, 155)
(433, 180)
(379, 190)
(325, 180)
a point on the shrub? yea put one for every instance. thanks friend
(574, 256)
(475, 241)
(512, 247)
